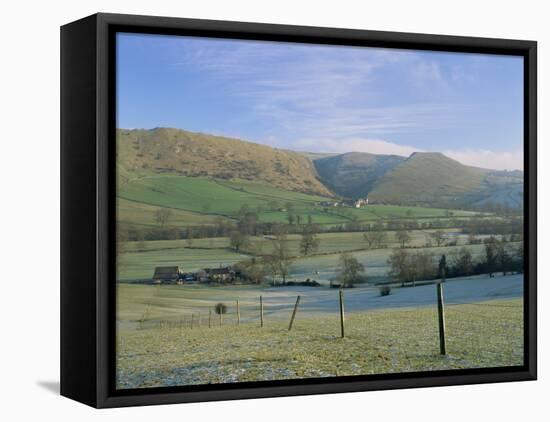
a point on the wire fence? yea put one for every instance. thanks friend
(289, 309)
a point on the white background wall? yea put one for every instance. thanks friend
(29, 235)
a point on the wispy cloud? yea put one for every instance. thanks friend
(325, 90)
(333, 99)
(489, 159)
(373, 146)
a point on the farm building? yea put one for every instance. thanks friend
(329, 203)
(166, 275)
(220, 275)
(355, 203)
(216, 275)
(361, 202)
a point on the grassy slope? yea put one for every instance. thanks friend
(478, 335)
(143, 215)
(428, 178)
(176, 151)
(201, 199)
(354, 174)
(423, 178)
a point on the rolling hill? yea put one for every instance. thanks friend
(424, 178)
(174, 151)
(428, 179)
(355, 174)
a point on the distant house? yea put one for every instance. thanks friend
(166, 275)
(353, 203)
(216, 275)
(221, 275)
(329, 203)
(361, 202)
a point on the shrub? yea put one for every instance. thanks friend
(220, 308)
(385, 290)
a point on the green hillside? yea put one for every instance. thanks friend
(355, 174)
(428, 179)
(202, 200)
(173, 151)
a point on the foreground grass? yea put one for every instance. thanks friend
(478, 335)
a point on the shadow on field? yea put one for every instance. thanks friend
(51, 386)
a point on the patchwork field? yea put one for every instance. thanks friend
(196, 198)
(140, 258)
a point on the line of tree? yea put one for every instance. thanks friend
(247, 223)
(409, 267)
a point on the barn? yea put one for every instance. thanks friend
(166, 275)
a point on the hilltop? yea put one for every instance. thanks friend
(428, 177)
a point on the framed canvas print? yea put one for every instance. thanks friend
(253, 210)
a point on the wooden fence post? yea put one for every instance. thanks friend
(441, 318)
(294, 313)
(341, 297)
(261, 312)
(238, 313)
(210, 318)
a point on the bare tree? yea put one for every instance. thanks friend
(248, 222)
(423, 265)
(281, 256)
(309, 242)
(398, 263)
(491, 255)
(442, 267)
(463, 262)
(438, 236)
(504, 259)
(253, 270)
(403, 237)
(162, 216)
(349, 270)
(269, 264)
(238, 240)
(375, 238)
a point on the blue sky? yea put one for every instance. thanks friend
(326, 98)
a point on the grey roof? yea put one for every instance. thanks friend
(166, 273)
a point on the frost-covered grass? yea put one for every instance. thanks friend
(479, 335)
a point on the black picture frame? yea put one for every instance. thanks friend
(88, 105)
